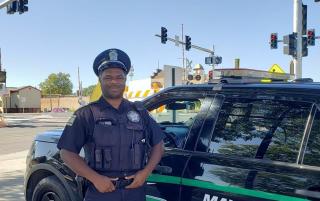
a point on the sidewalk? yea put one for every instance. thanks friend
(12, 168)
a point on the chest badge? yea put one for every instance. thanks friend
(133, 116)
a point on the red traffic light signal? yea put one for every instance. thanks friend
(210, 75)
(274, 41)
(311, 37)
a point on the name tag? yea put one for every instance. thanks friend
(105, 123)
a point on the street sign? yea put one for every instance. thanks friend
(217, 60)
(188, 63)
(275, 68)
(208, 60)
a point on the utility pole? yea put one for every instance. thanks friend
(297, 28)
(0, 61)
(79, 83)
(183, 66)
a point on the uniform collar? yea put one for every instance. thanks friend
(106, 105)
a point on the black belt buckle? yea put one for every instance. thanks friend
(121, 183)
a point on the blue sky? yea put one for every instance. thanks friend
(58, 36)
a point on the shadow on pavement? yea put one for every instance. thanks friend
(11, 186)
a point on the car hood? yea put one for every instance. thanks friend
(51, 136)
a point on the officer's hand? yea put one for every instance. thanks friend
(103, 184)
(138, 179)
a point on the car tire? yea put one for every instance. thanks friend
(50, 188)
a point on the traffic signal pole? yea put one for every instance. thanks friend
(5, 3)
(193, 46)
(297, 28)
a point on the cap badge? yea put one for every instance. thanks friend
(113, 55)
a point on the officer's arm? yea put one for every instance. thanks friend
(78, 165)
(155, 157)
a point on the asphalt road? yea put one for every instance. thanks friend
(16, 138)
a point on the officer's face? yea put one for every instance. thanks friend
(113, 83)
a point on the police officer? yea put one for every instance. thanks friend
(115, 134)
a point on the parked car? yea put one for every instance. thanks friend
(225, 141)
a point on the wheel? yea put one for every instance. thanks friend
(50, 189)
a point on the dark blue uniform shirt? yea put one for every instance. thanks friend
(80, 126)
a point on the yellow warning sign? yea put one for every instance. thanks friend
(275, 68)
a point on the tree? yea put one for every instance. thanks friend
(88, 90)
(59, 83)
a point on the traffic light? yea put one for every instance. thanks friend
(188, 43)
(23, 6)
(217, 60)
(304, 46)
(304, 19)
(164, 35)
(274, 41)
(311, 37)
(290, 44)
(210, 75)
(12, 7)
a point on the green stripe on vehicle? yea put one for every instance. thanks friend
(152, 198)
(212, 186)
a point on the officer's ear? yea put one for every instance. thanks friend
(99, 77)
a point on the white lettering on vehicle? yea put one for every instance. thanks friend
(207, 197)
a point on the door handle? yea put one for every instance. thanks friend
(163, 169)
(308, 193)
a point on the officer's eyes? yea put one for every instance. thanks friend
(109, 78)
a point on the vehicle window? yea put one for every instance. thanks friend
(267, 129)
(312, 154)
(176, 118)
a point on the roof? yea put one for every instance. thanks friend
(310, 89)
(20, 88)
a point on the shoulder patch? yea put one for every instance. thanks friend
(71, 120)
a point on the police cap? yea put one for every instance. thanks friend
(114, 58)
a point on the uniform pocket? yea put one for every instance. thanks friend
(137, 132)
(137, 145)
(106, 135)
(102, 158)
(107, 156)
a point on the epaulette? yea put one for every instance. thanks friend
(139, 105)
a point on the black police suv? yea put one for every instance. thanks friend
(224, 142)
